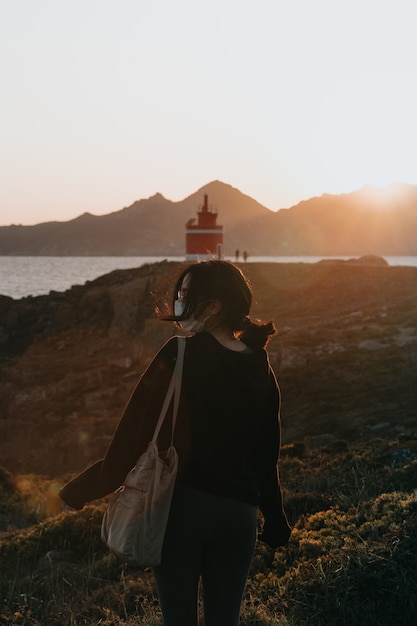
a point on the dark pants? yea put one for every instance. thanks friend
(211, 537)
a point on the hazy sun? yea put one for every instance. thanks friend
(384, 197)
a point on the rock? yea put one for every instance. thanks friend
(371, 344)
(403, 457)
(369, 259)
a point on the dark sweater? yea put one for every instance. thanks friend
(227, 433)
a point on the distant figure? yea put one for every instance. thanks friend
(245, 256)
(227, 437)
(237, 254)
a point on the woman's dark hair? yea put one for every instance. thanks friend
(222, 281)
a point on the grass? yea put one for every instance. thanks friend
(351, 559)
(349, 463)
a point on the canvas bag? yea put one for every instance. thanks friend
(134, 522)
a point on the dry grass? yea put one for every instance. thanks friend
(351, 559)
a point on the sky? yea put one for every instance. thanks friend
(105, 102)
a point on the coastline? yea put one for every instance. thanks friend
(23, 276)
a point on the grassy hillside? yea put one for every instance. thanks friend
(351, 559)
(346, 359)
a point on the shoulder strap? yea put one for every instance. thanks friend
(174, 386)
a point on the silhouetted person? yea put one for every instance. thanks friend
(227, 436)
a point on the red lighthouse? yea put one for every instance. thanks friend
(203, 240)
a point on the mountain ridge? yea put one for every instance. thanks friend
(370, 220)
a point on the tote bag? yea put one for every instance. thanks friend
(135, 520)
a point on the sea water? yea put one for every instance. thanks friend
(22, 276)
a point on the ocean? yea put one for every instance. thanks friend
(22, 276)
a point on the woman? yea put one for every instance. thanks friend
(227, 437)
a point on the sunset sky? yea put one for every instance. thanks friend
(105, 102)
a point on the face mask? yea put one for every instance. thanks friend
(178, 308)
(190, 325)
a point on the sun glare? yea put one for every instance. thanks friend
(384, 198)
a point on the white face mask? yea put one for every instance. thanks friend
(178, 308)
(190, 325)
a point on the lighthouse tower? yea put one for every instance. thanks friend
(204, 239)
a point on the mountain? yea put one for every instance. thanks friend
(155, 226)
(367, 221)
